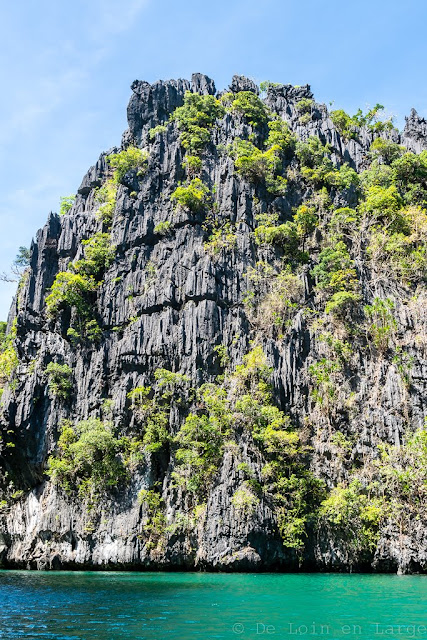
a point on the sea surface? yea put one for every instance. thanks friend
(183, 606)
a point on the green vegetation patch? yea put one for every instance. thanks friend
(89, 458)
(60, 379)
(8, 354)
(192, 196)
(348, 126)
(243, 400)
(126, 160)
(196, 119)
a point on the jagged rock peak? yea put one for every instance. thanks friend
(202, 84)
(240, 83)
(289, 92)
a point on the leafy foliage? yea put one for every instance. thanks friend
(394, 197)
(151, 408)
(8, 354)
(99, 255)
(195, 120)
(251, 107)
(402, 255)
(306, 219)
(336, 278)
(155, 525)
(382, 322)
(163, 228)
(384, 204)
(193, 196)
(386, 150)
(403, 476)
(60, 379)
(243, 401)
(244, 500)
(318, 169)
(275, 297)
(107, 196)
(75, 289)
(304, 105)
(126, 160)
(22, 259)
(256, 165)
(87, 458)
(157, 130)
(355, 516)
(193, 165)
(222, 238)
(349, 126)
(265, 85)
(72, 290)
(66, 203)
(323, 374)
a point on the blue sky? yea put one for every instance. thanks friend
(66, 68)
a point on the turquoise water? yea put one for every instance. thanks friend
(183, 606)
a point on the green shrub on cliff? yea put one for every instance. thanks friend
(88, 457)
(124, 161)
(8, 355)
(107, 197)
(256, 165)
(75, 292)
(355, 516)
(195, 120)
(60, 379)
(155, 525)
(66, 203)
(403, 472)
(348, 126)
(304, 105)
(387, 150)
(400, 255)
(151, 407)
(274, 298)
(99, 255)
(318, 169)
(222, 239)
(244, 500)
(157, 130)
(250, 162)
(243, 400)
(152, 417)
(336, 277)
(382, 323)
(163, 228)
(193, 165)
(71, 290)
(193, 196)
(251, 107)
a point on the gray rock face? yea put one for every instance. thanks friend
(202, 84)
(240, 83)
(415, 132)
(166, 302)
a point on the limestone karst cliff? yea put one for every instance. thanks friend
(216, 358)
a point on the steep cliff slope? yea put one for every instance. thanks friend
(216, 358)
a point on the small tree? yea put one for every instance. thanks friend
(193, 196)
(130, 158)
(66, 203)
(19, 266)
(60, 379)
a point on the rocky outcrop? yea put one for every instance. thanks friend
(166, 302)
(414, 135)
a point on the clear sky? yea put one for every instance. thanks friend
(66, 69)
